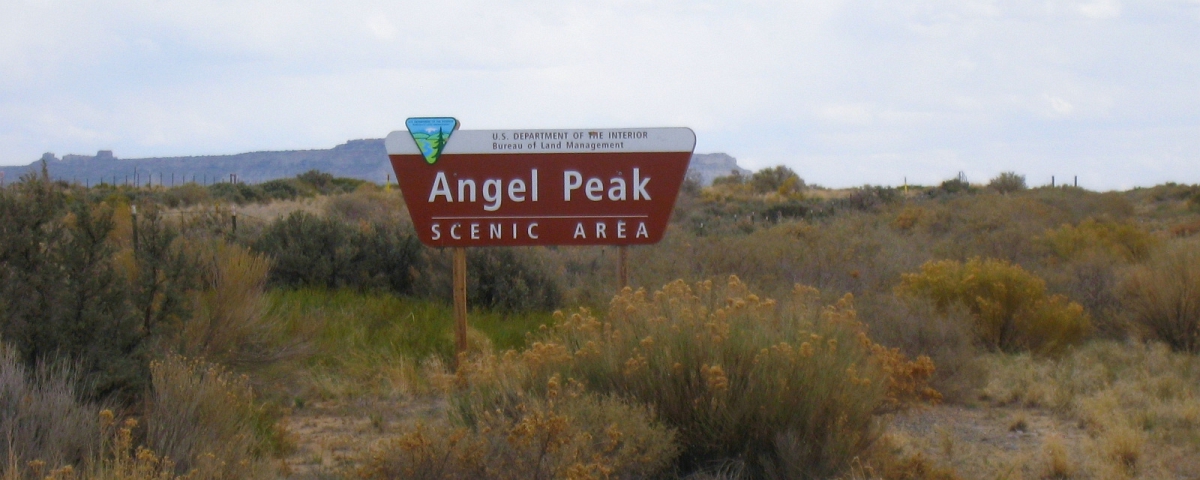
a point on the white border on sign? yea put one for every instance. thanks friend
(599, 140)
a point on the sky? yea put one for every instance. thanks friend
(845, 93)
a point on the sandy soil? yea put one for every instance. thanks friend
(976, 442)
(331, 436)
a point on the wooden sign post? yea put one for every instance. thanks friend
(460, 299)
(623, 266)
(467, 188)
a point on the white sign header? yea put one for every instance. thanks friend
(553, 141)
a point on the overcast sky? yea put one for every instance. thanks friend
(844, 92)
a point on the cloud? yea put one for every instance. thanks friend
(844, 91)
(1101, 9)
(1059, 106)
(382, 28)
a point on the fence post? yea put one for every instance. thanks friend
(133, 217)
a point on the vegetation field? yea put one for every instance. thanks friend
(297, 329)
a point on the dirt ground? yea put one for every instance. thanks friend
(331, 436)
(976, 442)
(1028, 443)
(985, 442)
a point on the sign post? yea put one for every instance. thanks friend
(623, 266)
(477, 188)
(460, 299)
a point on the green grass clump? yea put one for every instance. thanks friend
(355, 337)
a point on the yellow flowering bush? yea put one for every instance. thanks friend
(739, 377)
(1011, 308)
(1124, 241)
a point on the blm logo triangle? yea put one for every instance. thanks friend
(431, 135)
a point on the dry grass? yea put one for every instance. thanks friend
(1139, 404)
(230, 324)
(201, 424)
(919, 328)
(40, 418)
(204, 417)
(1058, 464)
(1164, 296)
(1105, 410)
(856, 253)
(568, 434)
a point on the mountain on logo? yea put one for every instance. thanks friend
(431, 135)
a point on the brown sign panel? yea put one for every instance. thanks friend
(543, 187)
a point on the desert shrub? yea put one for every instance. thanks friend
(283, 189)
(326, 184)
(952, 186)
(569, 434)
(1186, 229)
(1085, 262)
(229, 323)
(693, 182)
(778, 179)
(852, 252)
(207, 221)
(1173, 191)
(238, 193)
(507, 280)
(739, 377)
(1122, 240)
(917, 327)
(40, 417)
(367, 204)
(866, 198)
(308, 250)
(791, 209)
(60, 291)
(734, 179)
(1010, 307)
(163, 271)
(198, 414)
(185, 195)
(1163, 296)
(1001, 227)
(909, 218)
(1093, 280)
(1007, 182)
(317, 179)
(1079, 204)
(391, 257)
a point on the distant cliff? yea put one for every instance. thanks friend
(362, 159)
(707, 166)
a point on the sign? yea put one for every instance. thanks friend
(539, 187)
(431, 135)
